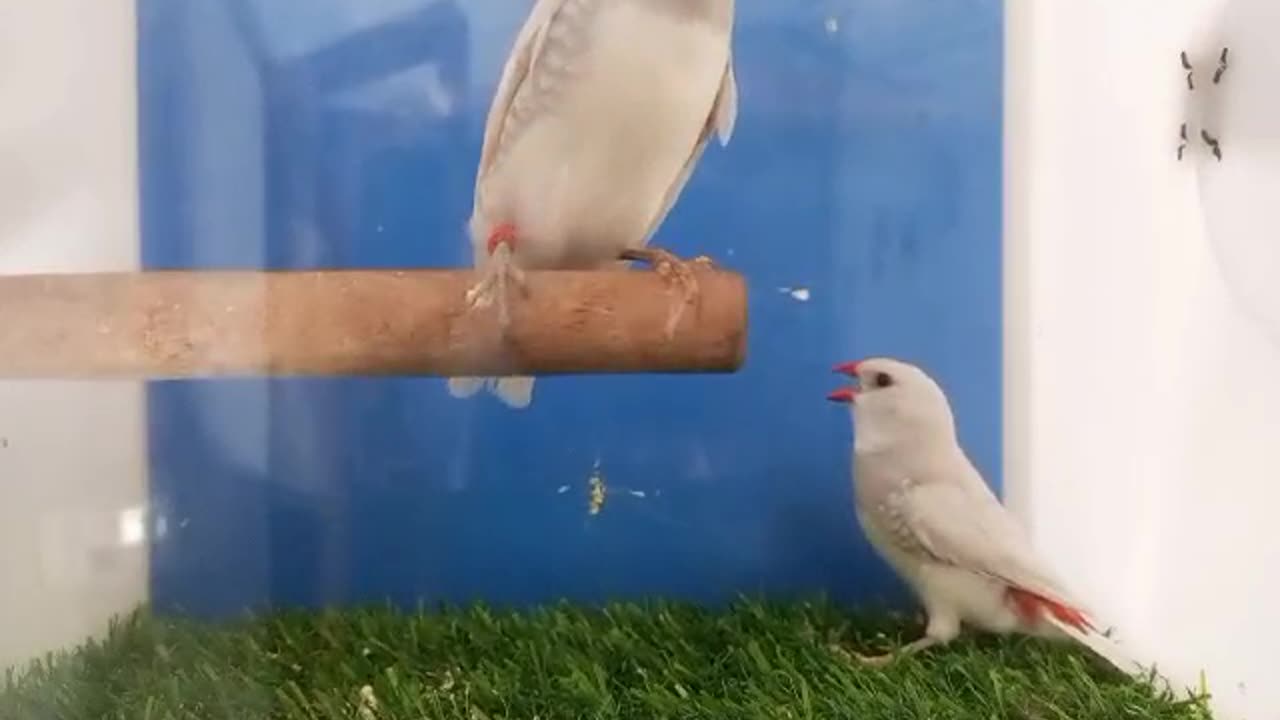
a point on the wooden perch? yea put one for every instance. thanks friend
(158, 325)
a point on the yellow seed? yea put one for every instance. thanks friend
(597, 494)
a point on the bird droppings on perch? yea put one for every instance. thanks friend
(184, 324)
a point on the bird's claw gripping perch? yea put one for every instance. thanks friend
(498, 271)
(674, 270)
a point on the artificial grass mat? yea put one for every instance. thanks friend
(751, 660)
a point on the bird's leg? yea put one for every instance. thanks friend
(943, 627)
(497, 271)
(673, 269)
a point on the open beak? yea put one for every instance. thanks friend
(848, 368)
(842, 395)
(845, 394)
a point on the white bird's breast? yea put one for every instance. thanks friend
(587, 177)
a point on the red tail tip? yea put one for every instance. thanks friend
(1031, 607)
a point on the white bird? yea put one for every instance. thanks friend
(603, 110)
(926, 509)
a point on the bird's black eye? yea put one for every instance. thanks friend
(883, 380)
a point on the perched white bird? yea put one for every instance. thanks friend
(603, 110)
(928, 512)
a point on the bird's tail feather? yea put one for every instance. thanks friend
(1075, 624)
(1103, 646)
(1032, 606)
(515, 391)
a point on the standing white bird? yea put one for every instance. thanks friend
(927, 511)
(603, 110)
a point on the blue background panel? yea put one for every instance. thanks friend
(866, 168)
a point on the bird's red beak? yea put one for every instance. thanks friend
(845, 394)
(848, 368)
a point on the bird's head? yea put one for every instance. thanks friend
(894, 401)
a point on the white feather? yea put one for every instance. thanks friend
(602, 113)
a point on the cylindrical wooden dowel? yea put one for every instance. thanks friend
(185, 324)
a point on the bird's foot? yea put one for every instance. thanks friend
(876, 661)
(884, 659)
(674, 270)
(497, 273)
(853, 656)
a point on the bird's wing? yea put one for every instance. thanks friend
(964, 525)
(721, 120)
(520, 66)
